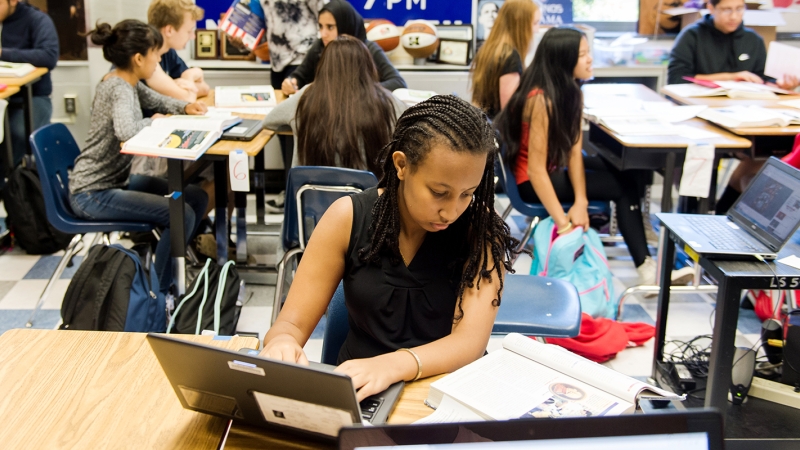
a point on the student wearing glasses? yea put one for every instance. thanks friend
(720, 48)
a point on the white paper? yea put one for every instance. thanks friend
(697, 171)
(302, 415)
(239, 168)
(450, 411)
(696, 134)
(245, 96)
(791, 261)
(782, 59)
(257, 110)
(791, 103)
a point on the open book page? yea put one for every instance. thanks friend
(200, 123)
(257, 96)
(172, 143)
(597, 375)
(738, 116)
(639, 126)
(504, 385)
(692, 90)
(650, 110)
(450, 411)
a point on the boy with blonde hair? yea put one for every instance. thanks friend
(175, 19)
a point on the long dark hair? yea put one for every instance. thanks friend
(452, 122)
(552, 71)
(125, 40)
(344, 109)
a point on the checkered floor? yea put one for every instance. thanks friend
(23, 278)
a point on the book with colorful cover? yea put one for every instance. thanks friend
(245, 20)
(179, 137)
(247, 96)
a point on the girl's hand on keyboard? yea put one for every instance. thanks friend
(374, 375)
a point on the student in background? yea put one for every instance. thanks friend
(291, 31)
(541, 126)
(345, 96)
(99, 184)
(335, 19)
(28, 36)
(175, 19)
(498, 65)
(423, 256)
(720, 48)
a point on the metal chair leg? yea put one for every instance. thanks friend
(68, 254)
(281, 280)
(507, 211)
(525, 238)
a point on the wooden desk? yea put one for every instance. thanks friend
(8, 92)
(410, 408)
(652, 152)
(25, 83)
(91, 389)
(767, 139)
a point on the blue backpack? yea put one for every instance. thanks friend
(579, 258)
(113, 291)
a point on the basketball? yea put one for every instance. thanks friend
(419, 39)
(383, 33)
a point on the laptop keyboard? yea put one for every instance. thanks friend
(369, 406)
(720, 235)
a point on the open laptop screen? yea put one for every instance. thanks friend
(772, 202)
(683, 441)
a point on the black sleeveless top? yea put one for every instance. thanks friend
(391, 306)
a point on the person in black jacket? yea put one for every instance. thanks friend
(720, 48)
(336, 18)
(28, 36)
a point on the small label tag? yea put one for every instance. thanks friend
(242, 366)
(239, 168)
(732, 225)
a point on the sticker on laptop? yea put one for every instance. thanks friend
(246, 367)
(302, 415)
(732, 225)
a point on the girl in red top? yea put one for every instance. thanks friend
(541, 126)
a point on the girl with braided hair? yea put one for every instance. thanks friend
(422, 256)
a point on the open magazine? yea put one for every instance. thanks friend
(751, 116)
(245, 20)
(731, 89)
(529, 379)
(248, 96)
(179, 137)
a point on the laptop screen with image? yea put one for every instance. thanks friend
(772, 202)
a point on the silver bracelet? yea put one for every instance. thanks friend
(419, 362)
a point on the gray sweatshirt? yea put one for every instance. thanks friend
(282, 118)
(116, 117)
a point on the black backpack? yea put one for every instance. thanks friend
(210, 303)
(27, 219)
(113, 290)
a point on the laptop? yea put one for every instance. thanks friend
(311, 400)
(661, 431)
(246, 130)
(760, 223)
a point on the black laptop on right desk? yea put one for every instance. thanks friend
(757, 226)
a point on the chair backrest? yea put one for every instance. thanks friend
(310, 190)
(336, 327)
(538, 306)
(509, 184)
(55, 150)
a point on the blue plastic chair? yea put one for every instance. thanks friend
(310, 191)
(536, 211)
(531, 305)
(55, 151)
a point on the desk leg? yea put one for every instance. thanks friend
(666, 192)
(28, 92)
(9, 166)
(260, 182)
(177, 223)
(720, 364)
(241, 227)
(221, 209)
(666, 262)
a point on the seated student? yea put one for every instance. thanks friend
(347, 97)
(335, 19)
(28, 36)
(422, 256)
(541, 126)
(175, 19)
(99, 185)
(720, 48)
(498, 65)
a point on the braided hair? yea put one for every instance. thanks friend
(452, 122)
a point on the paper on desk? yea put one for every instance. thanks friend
(302, 415)
(782, 59)
(793, 103)
(239, 168)
(697, 169)
(450, 411)
(791, 261)
(695, 133)
(258, 110)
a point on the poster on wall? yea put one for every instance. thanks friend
(401, 11)
(69, 17)
(556, 12)
(487, 13)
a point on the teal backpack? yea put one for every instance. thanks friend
(579, 258)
